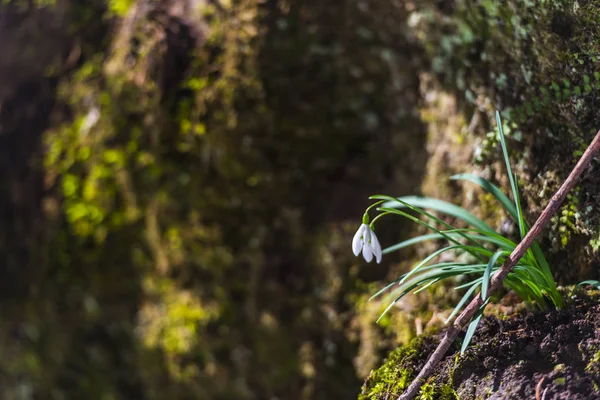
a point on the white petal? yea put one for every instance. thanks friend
(366, 235)
(376, 247)
(357, 241)
(367, 253)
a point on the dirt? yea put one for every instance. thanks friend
(510, 357)
(520, 356)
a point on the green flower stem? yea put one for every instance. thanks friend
(378, 216)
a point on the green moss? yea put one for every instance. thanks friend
(120, 7)
(559, 381)
(593, 365)
(431, 391)
(400, 368)
(447, 392)
(427, 392)
(395, 374)
(567, 221)
(595, 242)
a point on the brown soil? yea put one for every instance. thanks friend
(508, 358)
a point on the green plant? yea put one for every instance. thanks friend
(531, 278)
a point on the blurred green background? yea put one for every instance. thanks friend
(180, 180)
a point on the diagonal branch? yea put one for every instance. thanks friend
(467, 315)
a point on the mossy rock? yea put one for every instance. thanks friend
(537, 62)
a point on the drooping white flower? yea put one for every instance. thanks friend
(366, 241)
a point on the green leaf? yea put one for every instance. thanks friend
(492, 189)
(521, 219)
(422, 263)
(471, 328)
(486, 274)
(489, 237)
(438, 205)
(483, 237)
(410, 242)
(594, 283)
(418, 221)
(403, 293)
(435, 219)
(424, 279)
(397, 281)
(556, 297)
(456, 269)
(511, 176)
(473, 282)
(431, 282)
(389, 307)
(514, 283)
(462, 302)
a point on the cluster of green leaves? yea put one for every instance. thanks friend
(531, 278)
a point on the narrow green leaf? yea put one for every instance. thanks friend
(543, 264)
(421, 211)
(484, 237)
(384, 289)
(555, 296)
(398, 297)
(486, 274)
(418, 221)
(492, 189)
(490, 237)
(594, 283)
(431, 282)
(422, 263)
(462, 302)
(397, 281)
(437, 205)
(521, 220)
(422, 279)
(389, 307)
(514, 283)
(411, 241)
(471, 330)
(533, 274)
(456, 269)
(511, 176)
(468, 284)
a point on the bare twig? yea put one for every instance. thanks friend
(538, 388)
(467, 315)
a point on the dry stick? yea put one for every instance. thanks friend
(467, 315)
(538, 388)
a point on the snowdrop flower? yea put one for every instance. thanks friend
(366, 241)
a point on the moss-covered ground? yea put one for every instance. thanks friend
(507, 359)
